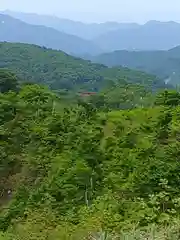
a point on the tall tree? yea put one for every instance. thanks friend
(8, 81)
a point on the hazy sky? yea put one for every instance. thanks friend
(100, 10)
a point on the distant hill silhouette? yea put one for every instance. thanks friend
(14, 30)
(110, 36)
(153, 35)
(86, 31)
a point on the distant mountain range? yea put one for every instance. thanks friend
(145, 46)
(14, 30)
(164, 64)
(109, 36)
(82, 30)
(153, 35)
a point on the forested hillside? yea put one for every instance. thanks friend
(164, 64)
(89, 149)
(82, 172)
(14, 30)
(60, 71)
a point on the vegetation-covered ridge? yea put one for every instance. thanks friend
(164, 64)
(60, 71)
(81, 173)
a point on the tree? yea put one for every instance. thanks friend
(8, 81)
(168, 98)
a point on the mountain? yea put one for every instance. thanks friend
(59, 70)
(164, 64)
(86, 31)
(14, 30)
(109, 36)
(153, 35)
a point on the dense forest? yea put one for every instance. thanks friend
(89, 149)
(58, 70)
(87, 171)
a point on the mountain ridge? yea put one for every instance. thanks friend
(111, 36)
(15, 30)
(164, 64)
(87, 31)
(59, 70)
(153, 35)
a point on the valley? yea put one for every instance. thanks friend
(89, 129)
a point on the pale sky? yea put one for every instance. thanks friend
(100, 10)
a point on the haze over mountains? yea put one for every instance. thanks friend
(141, 47)
(14, 30)
(89, 148)
(80, 29)
(108, 36)
(153, 35)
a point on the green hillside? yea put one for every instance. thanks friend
(61, 71)
(164, 64)
(78, 173)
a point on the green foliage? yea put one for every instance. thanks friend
(164, 64)
(8, 81)
(120, 96)
(168, 98)
(78, 172)
(60, 71)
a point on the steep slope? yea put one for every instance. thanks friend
(61, 71)
(165, 64)
(153, 35)
(13, 30)
(86, 31)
